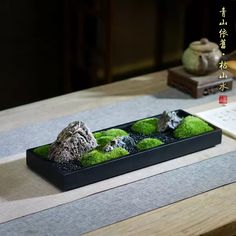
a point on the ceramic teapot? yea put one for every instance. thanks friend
(201, 57)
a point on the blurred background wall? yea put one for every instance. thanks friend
(48, 48)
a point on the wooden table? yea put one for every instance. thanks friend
(210, 213)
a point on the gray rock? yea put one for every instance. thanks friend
(168, 120)
(124, 142)
(72, 143)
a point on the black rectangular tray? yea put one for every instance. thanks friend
(131, 162)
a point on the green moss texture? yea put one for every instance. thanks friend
(104, 140)
(105, 137)
(148, 143)
(191, 126)
(42, 150)
(145, 126)
(94, 157)
(115, 132)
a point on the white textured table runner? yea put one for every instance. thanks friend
(128, 200)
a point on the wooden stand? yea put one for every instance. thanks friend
(197, 86)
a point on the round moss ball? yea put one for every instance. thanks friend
(110, 132)
(106, 136)
(115, 132)
(94, 157)
(42, 150)
(104, 140)
(97, 135)
(148, 143)
(145, 126)
(191, 126)
(116, 152)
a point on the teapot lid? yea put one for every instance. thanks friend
(203, 45)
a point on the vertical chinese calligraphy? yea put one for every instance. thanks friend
(223, 34)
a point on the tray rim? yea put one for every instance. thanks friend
(139, 155)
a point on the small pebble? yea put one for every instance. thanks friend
(68, 166)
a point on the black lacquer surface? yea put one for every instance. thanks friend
(173, 148)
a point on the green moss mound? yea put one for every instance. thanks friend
(191, 126)
(104, 140)
(97, 135)
(105, 137)
(145, 126)
(148, 143)
(94, 157)
(115, 153)
(115, 132)
(42, 150)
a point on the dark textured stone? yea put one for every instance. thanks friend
(72, 143)
(168, 120)
(125, 142)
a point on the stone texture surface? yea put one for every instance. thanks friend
(168, 120)
(72, 143)
(125, 142)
